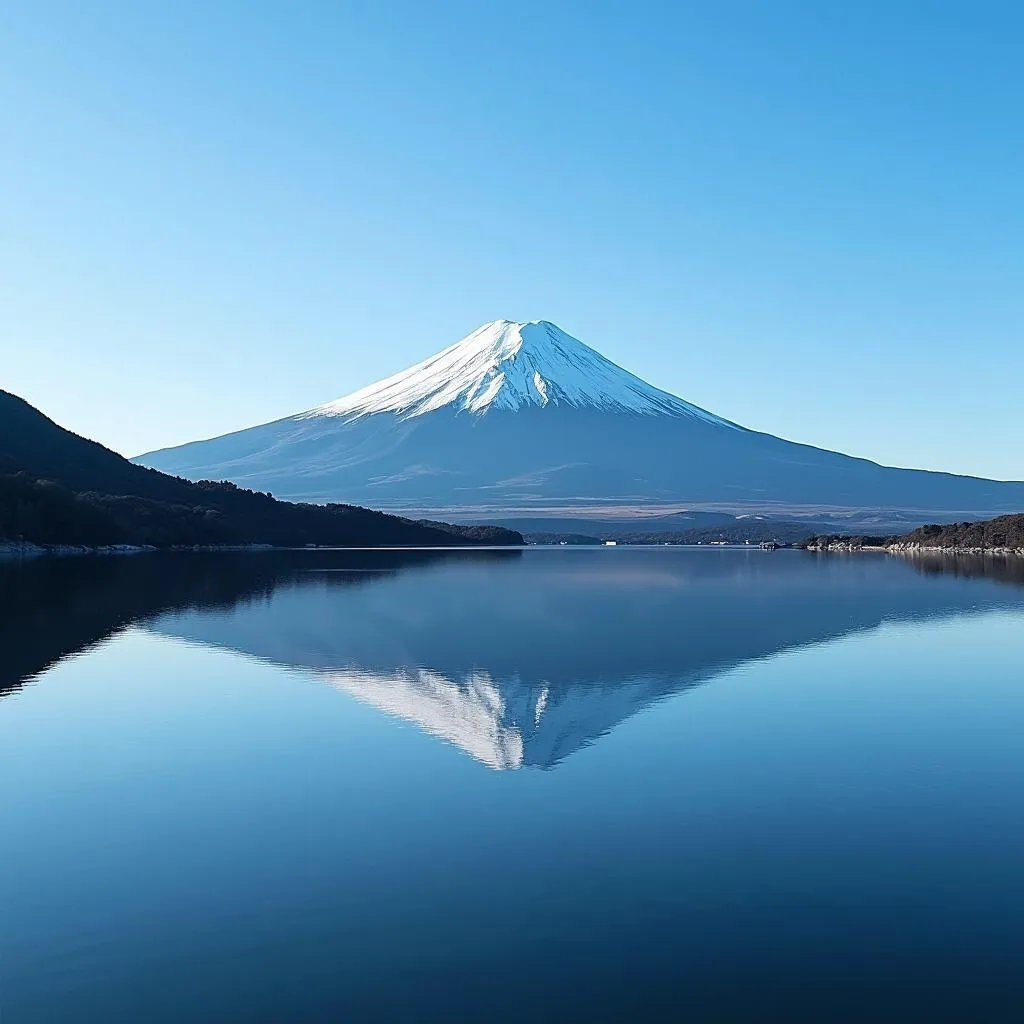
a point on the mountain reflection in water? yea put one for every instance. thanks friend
(518, 658)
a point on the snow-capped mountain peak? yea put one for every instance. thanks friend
(510, 366)
(526, 418)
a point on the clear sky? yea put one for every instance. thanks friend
(806, 217)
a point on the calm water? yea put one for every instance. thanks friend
(548, 785)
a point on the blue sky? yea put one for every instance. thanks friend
(807, 217)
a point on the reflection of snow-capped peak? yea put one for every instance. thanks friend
(506, 365)
(502, 723)
(471, 715)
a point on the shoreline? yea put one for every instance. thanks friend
(10, 550)
(919, 549)
(914, 549)
(26, 549)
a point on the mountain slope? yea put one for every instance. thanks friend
(511, 366)
(522, 414)
(59, 488)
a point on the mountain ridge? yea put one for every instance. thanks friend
(472, 426)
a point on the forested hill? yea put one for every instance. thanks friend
(1003, 532)
(59, 488)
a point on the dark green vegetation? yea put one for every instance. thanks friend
(1003, 532)
(59, 488)
(988, 535)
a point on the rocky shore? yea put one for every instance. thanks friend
(926, 549)
(902, 548)
(1002, 537)
(26, 549)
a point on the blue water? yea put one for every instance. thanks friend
(604, 785)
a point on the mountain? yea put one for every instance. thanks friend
(510, 366)
(521, 415)
(59, 488)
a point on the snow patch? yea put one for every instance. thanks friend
(511, 366)
(542, 703)
(470, 712)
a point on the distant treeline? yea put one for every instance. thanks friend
(1004, 532)
(755, 531)
(45, 513)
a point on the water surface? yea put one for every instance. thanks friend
(544, 785)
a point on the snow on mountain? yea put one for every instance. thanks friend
(506, 365)
(505, 724)
(522, 416)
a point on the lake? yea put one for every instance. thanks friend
(614, 784)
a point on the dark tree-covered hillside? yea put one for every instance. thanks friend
(988, 535)
(1003, 532)
(59, 488)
